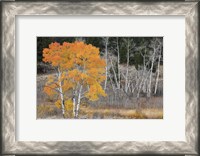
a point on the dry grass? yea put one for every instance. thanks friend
(113, 113)
(87, 112)
(153, 113)
(48, 110)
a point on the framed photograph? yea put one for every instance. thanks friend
(98, 77)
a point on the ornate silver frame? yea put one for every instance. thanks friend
(10, 10)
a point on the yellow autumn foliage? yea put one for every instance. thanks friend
(69, 105)
(78, 64)
(58, 104)
(49, 91)
(95, 91)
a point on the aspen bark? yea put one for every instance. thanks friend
(118, 65)
(158, 73)
(151, 70)
(127, 67)
(114, 72)
(106, 53)
(61, 93)
(74, 103)
(78, 102)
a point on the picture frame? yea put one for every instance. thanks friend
(10, 10)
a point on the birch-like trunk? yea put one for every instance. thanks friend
(151, 70)
(114, 72)
(106, 55)
(74, 103)
(61, 93)
(127, 67)
(79, 101)
(118, 65)
(157, 77)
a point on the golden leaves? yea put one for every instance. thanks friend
(51, 86)
(67, 85)
(49, 90)
(69, 105)
(95, 91)
(58, 104)
(79, 64)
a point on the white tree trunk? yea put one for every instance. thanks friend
(79, 101)
(127, 67)
(106, 57)
(157, 77)
(61, 93)
(114, 72)
(118, 65)
(151, 70)
(74, 103)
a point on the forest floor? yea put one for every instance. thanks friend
(46, 108)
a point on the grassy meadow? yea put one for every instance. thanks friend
(46, 108)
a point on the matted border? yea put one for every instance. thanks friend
(11, 9)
